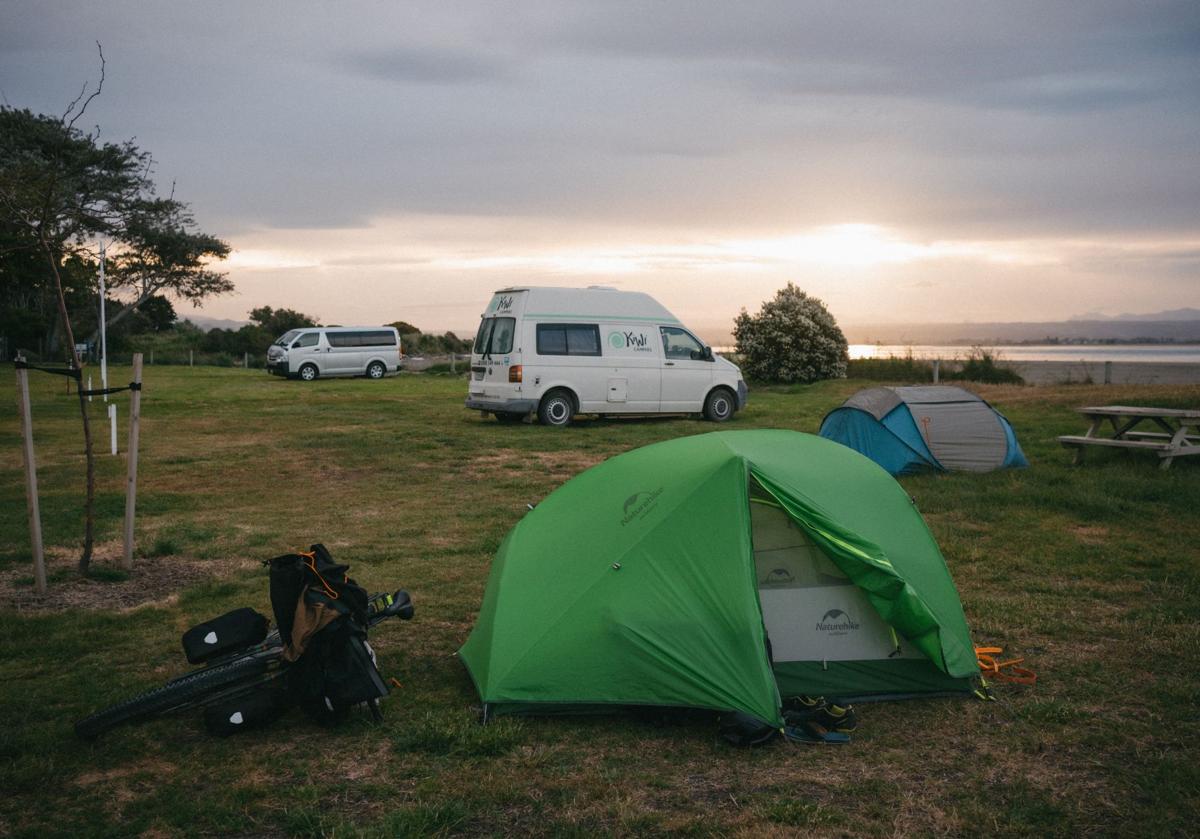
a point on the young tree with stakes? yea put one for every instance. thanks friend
(61, 189)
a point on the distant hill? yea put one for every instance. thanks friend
(206, 323)
(1119, 329)
(1186, 314)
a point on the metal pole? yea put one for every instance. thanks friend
(190, 362)
(1108, 372)
(103, 332)
(937, 369)
(31, 489)
(135, 416)
(112, 427)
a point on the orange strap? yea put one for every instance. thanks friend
(312, 566)
(987, 658)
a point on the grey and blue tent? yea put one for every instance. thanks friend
(930, 428)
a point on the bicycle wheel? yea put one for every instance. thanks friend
(184, 692)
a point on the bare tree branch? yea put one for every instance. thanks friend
(95, 93)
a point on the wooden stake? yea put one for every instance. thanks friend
(135, 416)
(31, 488)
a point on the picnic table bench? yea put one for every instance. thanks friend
(1178, 434)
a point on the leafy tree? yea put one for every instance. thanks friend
(61, 189)
(793, 338)
(404, 327)
(279, 321)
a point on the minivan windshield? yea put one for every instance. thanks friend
(495, 335)
(286, 338)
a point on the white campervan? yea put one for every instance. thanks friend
(557, 352)
(371, 351)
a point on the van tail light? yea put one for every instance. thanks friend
(514, 373)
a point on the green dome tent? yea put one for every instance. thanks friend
(721, 571)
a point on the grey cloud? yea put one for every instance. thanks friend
(427, 66)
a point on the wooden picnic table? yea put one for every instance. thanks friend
(1178, 434)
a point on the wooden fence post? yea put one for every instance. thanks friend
(1108, 372)
(31, 489)
(190, 363)
(135, 416)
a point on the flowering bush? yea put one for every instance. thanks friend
(793, 338)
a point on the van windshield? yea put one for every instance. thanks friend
(495, 335)
(287, 338)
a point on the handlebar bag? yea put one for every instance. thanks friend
(230, 632)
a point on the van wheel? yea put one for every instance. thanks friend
(557, 408)
(375, 370)
(308, 372)
(718, 407)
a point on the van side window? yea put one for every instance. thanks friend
(679, 343)
(342, 339)
(377, 338)
(568, 339)
(308, 339)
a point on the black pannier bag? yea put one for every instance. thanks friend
(322, 618)
(229, 633)
(252, 709)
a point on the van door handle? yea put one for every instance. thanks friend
(669, 364)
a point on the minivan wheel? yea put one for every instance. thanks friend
(718, 407)
(375, 370)
(308, 372)
(557, 408)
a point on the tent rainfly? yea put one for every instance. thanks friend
(722, 571)
(916, 429)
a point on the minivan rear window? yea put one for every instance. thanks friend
(568, 339)
(495, 336)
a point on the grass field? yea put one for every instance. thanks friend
(1092, 573)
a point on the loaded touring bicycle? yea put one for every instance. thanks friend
(557, 352)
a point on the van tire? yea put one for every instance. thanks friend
(376, 370)
(308, 372)
(720, 405)
(557, 408)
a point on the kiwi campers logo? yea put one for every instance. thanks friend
(633, 340)
(836, 622)
(502, 303)
(639, 505)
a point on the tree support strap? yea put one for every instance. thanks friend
(76, 374)
(73, 372)
(106, 390)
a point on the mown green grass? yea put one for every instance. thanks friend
(1090, 572)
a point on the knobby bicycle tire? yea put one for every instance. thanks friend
(183, 692)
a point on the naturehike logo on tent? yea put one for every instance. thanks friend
(636, 341)
(639, 504)
(836, 622)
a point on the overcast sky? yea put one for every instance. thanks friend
(902, 161)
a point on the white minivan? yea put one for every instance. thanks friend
(371, 351)
(556, 352)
